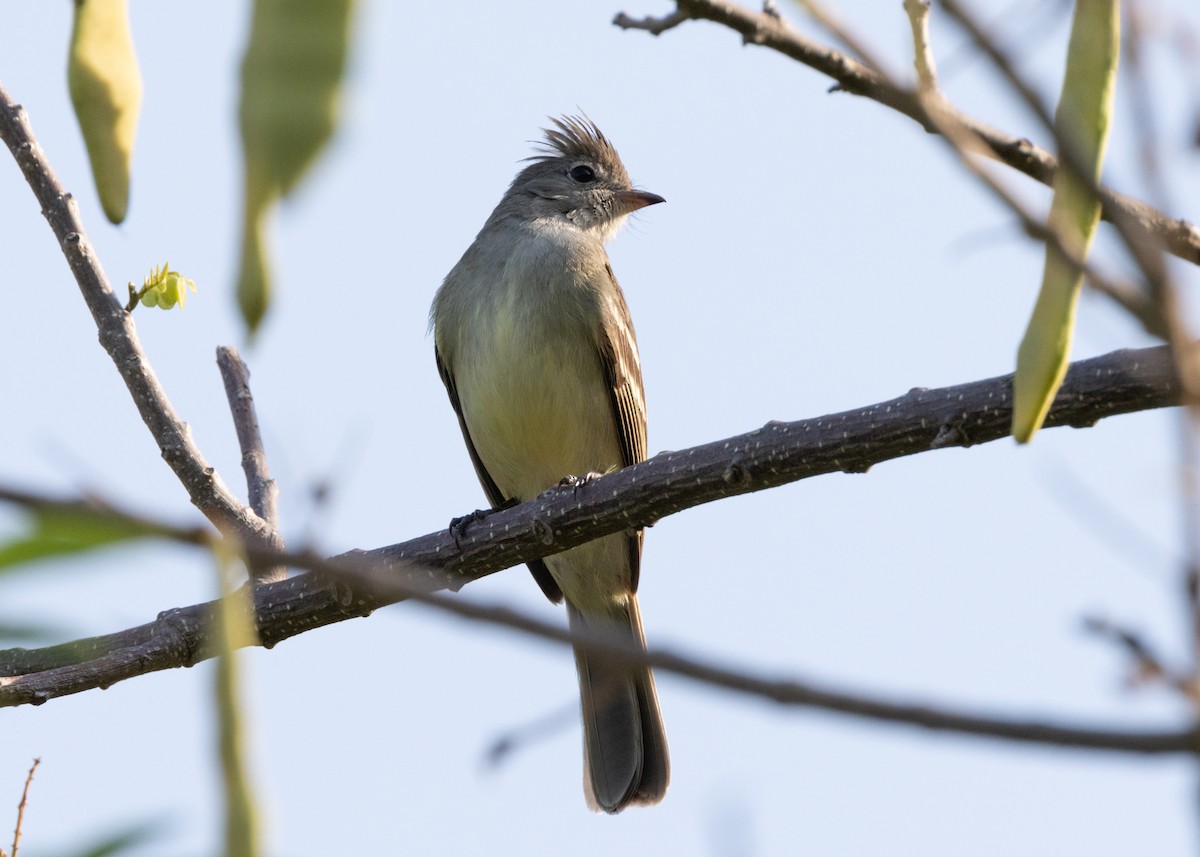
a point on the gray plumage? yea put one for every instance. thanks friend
(537, 351)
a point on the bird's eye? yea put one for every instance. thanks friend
(582, 173)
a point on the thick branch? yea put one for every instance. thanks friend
(118, 337)
(1176, 236)
(188, 633)
(853, 441)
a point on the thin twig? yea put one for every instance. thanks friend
(21, 806)
(512, 740)
(261, 488)
(1145, 253)
(777, 454)
(1149, 146)
(965, 140)
(918, 19)
(1142, 103)
(653, 26)
(204, 485)
(1177, 236)
(1163, 298)
(1150, 665)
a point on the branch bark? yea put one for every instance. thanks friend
(204, 486)
(260, 487)
(1175, 235)
(853, 441)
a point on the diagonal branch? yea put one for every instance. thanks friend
(779, 453)
(194, 628)
(1176, 236)
(118, 336)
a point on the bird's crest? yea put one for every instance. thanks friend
(577, 137)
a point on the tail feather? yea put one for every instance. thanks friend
(625, 745)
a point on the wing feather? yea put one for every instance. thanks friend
(623, 374)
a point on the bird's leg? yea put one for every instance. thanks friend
(459, 525)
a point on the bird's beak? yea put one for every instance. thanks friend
(632, 200)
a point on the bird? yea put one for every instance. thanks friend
(536, 348)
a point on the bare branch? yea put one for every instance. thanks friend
(369, 586)
(1162, 296)
(1148, 664)
(964, 141)
(261, 488)
(205, 487)
(918, 19)
(560, 518)
(1145, 252)
(1176, 236)
(21, 807)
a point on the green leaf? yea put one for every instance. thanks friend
(1082, 123)
(254, 282)
(291, 83)
(122, 841)
(69, 529)
(106, 91)
(235, 628)
(25, 632)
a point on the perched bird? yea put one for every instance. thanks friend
(537, 351)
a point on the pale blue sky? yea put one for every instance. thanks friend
(816, 253)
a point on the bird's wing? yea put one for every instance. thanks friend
(538, 567)
(623, 373)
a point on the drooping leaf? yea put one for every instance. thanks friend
(106, 91)
(25, 632)
(235, 628)
(69, 529)
(291, 81)
(122, 841)
(1082, 122)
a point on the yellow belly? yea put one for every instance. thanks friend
(537, 411)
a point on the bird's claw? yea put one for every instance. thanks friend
(577, 482)
(459, 525)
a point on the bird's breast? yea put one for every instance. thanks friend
(533, 393)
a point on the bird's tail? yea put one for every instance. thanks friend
(625, 745)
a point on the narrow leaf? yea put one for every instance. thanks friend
(122, 841)
(60, 530)
(106, 91)
(291, 82)
(235, 628)
(1082, 123)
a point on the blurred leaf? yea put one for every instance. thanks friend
(28, 632)
(235, 628)
(122, 841)
(106, 90)
(291, 81)
(1082, 122)
(254, 283)
(70, 528)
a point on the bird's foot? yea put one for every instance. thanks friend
(577, 482)
(459, 525)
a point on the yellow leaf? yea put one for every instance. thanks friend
(1082, 123)
(106, 91)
